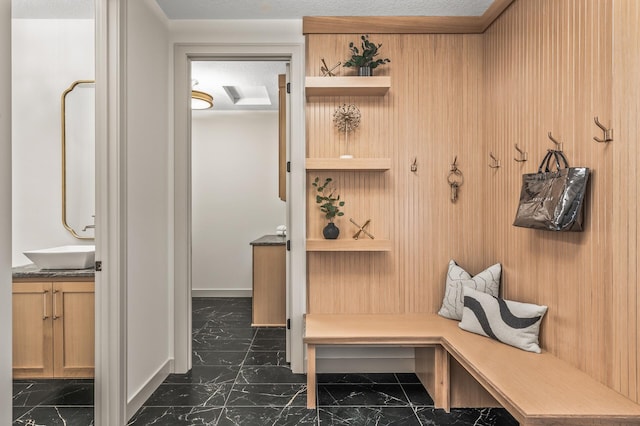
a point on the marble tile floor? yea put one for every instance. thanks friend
(240, 377)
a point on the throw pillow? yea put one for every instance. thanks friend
(514, 323)
(487, 281)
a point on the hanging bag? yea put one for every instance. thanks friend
(553, 200)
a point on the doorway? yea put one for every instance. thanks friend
(184, 56)
(54, 331)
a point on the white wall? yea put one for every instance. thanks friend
(47, 56)
(234, 195)
(149, 332)
(5, 213)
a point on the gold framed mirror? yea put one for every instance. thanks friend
(78, 159)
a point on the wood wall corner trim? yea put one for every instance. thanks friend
(404, 24)
(493, 12)
(391, 24)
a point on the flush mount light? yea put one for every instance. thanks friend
(201, 100)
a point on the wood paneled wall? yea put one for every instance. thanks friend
(544, 65)
(626, 187)
(432, 113)
(548, 68)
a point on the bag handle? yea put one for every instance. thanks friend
(545, 162)
(559, 158)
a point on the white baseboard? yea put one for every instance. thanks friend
(222, 292)
(145, 391)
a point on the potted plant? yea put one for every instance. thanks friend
(329, 205)
(365, 61)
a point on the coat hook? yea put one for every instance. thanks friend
(608, 133)
(454, 165)
(495, 163)
(558, 144)
(523, 154)
(414, 165)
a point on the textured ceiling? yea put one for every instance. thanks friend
(52, 9)
(295, 9)
(260, 9)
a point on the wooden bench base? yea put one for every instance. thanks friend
(461, 369)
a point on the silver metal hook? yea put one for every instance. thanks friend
(608, 133)
(454, 165)
(523, 154)
(495, 162)
(558, 144)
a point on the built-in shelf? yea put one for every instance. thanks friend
(348, 244)
(347, 86)
(365, 164)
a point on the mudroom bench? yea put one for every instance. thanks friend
(462, 369)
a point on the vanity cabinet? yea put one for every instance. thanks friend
(53, 329)
(269, 282)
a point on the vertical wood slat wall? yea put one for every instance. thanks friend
(548, 68)
(432, 113)
(626, 188)
(543, 66)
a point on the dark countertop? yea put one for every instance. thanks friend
(32, 271)
(269, 240)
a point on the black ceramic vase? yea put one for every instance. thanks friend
(365, 71)
(331, 231)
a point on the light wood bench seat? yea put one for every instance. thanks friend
(537, 389)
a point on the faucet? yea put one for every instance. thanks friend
(93, 226)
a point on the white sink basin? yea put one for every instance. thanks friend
(64, 257)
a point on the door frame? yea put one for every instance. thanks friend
(296, 257)
(111, 230)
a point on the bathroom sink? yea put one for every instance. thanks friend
(63, 257)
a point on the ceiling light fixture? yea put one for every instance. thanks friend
(200, 100)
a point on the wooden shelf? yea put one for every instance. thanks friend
(365, 164)
(347, 86)
(348, 244)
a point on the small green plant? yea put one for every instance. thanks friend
(329, 204)
(367, 57)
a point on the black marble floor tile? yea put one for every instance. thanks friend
(417, 394)
(266, 358)
(269, 374)
(268, 395)
(268, 345)
(379, 416)
(61, 392)
(218, 358)
(465, 417)
(188, 395)
(176, 416)
(255, 416)
(357, 378)
(271, 333)
(57, 416)
(214, 331)
(407, 378)
(71, 394)
(19, 412)
(206, 375)
(361, 395)
(203, 343)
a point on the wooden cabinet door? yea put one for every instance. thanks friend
(73, 329)
(32, 330)
(269, 286)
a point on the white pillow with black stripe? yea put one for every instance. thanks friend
(487, 281)
(514, 323)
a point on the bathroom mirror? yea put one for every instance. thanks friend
(78, 159)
